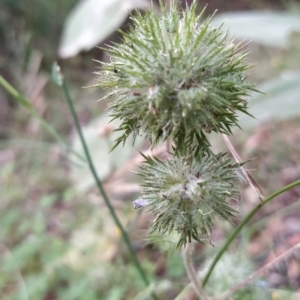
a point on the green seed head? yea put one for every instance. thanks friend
(187, 194)
(175, 76)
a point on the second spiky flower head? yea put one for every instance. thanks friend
(186, 194)
(175, 76)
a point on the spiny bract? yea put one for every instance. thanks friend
(185, 194)
(176, 76)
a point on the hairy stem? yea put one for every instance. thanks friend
(243, 223)
(188, 263)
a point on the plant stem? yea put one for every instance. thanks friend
(23, 101)
(282, 212)
(101, 189)
(242, 224)
(188, 263)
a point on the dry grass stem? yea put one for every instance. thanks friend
(249, 178)
(260, 272)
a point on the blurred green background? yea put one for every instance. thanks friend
(57, 239)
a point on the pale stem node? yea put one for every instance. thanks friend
(191, 272)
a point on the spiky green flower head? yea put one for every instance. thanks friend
(175, 75)
(186, 194)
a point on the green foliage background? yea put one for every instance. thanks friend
(44, 219)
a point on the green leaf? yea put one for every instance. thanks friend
(92, 21)
(267, 28)
(281, 100)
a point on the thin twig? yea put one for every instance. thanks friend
(243, 223)
(249, 178)
(191, 272)
(101, 189)
(260, 272)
